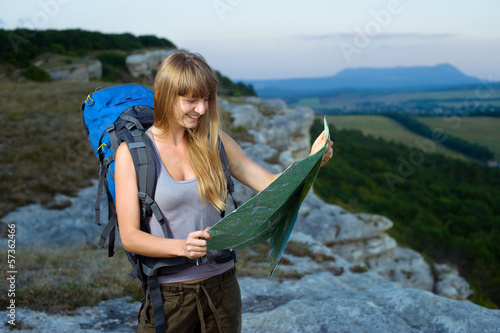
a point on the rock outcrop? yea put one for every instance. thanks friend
(353, 277)
(361, 238)
(85, 71)
(144, 64)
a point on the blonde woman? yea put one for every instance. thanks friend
(191, 193)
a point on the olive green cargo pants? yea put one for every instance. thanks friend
(213, 305)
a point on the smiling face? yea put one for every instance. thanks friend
(185, 96)
(189, 110)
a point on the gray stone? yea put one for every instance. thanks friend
(277, 105)
(332, 224)
(38, 227)
(116, 315)
(91, 69)
(365, 249)
(246, 115)
(146, 62)
(406, 267)
(450, 284)
(290, 130)
(355, 303)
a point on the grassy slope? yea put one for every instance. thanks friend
(484, 131)
(388, 129)
(44, 149)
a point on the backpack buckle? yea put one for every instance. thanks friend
(89, 101)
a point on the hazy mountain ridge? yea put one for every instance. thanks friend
(373, 79)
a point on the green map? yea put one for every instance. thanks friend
(270, 214)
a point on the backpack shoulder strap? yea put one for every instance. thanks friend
(145, 165)
(227, 172)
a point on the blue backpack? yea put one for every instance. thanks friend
(119, 114)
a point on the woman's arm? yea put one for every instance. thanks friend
(252, 174)
(127, 207)
(243, 168)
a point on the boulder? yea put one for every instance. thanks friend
(355, 302)
(91, 69)
(406, 267)
(144, 64)
(450, 284)
(333, 225)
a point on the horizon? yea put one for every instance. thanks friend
(362, 68)
(289, 39)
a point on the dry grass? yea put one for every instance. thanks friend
(61, 280)
(43, 146)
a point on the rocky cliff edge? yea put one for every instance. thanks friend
(355, 278)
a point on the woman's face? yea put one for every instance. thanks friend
(188, 110)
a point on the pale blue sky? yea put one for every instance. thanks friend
(258, 39)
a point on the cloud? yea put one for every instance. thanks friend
(383, 35)
(2, 22)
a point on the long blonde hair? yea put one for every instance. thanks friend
(184, 73)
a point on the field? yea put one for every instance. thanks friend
(481, 96)
(484, 131)
(388, 129)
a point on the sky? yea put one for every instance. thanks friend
(275, 39)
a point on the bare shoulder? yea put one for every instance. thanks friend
(122, 152)
(233, 150)
(123, 159)
(226, 139)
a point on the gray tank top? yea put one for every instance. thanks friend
(184, 212)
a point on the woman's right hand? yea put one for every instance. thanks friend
(196, 244)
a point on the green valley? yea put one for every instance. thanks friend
(444, 207)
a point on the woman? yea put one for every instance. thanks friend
(191, 193)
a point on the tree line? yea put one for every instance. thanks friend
(19, 47)
(469, 149)
(229, 88)
(445, 208)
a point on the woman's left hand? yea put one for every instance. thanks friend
(319, 143)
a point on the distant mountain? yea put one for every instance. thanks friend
(368, 79)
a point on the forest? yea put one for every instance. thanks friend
(445, 208)
(27, 44)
